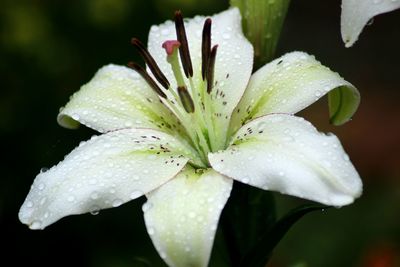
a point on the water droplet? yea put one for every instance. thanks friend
(150, 230)
(226, 36)
(29, 204)
(128, 124)
(94, 210)
(92, 181)
(43, 170)
(36, 225)
(71, 198)
(136, 194)
(41, 186)
(117, 202)
(165, 31)
(94, 195)
(192, 214)
(75, 117)
(317, 93)
(163, 255)
(43, 200)
(147, 206)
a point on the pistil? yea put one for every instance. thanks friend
(190, 101)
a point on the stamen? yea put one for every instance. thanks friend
(186, 99)
(151, 63)
(147, 78)
(205, 47)
(210, 69)
(184, 48)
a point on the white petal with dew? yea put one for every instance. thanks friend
(104, 172)
(233, 64)
(116, 98)
(182, 216)
(290, 84)
(357, 13)
(287, 154)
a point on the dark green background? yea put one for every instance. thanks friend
(49, 48)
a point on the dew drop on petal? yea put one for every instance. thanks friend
(150, 230)
(94, 210)
(147, 206)
(36, 225)
(226, 36)
(117, 202)
(29, 204)
(135, 194)
(41, 186)
(94, 195)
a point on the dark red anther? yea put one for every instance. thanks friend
(211, 68)
(151, 63)
(184, 48)
(147, 78)
(205, 47)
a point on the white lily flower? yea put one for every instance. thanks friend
(357, 13)
(182, 135)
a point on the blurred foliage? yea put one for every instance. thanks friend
(49, 48)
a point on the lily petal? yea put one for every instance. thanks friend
(182, 216)
(290, 84)
(116, 98)
(284, 153)
(356, 14)
(233, 64)
(104, 172)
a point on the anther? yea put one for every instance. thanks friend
(205, 47)
(186, 99)
(184, 48)
(210, 68)
(147, 78)
(151, 63)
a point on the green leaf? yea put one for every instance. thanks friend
(262, 22)
(249, 214)
(261, 252)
